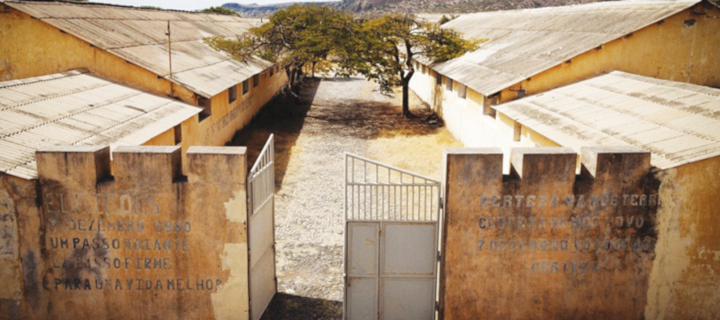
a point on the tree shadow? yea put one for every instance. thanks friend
(365, 119)
(284, 117)
(290, 307)
(371, 118)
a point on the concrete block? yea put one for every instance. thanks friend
(544, 164)
(464, 167)
(217, 164)
(605, 163)
(81, 165)
(147, 165)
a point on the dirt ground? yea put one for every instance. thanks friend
(334, 116)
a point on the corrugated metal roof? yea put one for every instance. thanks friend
(139, 36)
(523, 43)
(678, 122)
(77, 108)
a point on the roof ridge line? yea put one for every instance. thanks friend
(27, 102)
(66, 74)
(149, 44)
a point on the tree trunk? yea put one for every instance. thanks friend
(405, 98)
(313, 69)
(406, 93)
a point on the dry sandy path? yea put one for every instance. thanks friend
(334, 117)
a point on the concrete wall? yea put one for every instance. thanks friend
(493, 270)
(467, 120)
(544, 243)
(16, 196)
(144, 243)
(685, 279)
(226, 118)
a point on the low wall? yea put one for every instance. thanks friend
(543, 242)
(143, 243)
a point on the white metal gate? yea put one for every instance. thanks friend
(261, 230)
(391, 242)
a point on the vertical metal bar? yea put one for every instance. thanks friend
(365, 190)
(425, 208)
(407, 201)
(432, 196)
(401, 191)
(413, 196)
(389, 181)
(377, 210)
(352, 179)
(345, 195)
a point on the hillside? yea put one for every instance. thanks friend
(452, 6)
(409, 6)
(258, 11)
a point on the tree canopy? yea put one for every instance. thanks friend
(391, 43)
(381, 49)
(292, 38)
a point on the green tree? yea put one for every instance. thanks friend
(219, 10)
(386, 47)
(293, 37)
(445, 19)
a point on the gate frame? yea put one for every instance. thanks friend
(264, 163)
(437, 220)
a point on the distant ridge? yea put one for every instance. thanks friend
(409, 6)
(255, 10)
(453, 6)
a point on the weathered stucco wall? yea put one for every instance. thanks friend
(39, 49)
(685, 280)
(465, 118)
(544, 243)
(144, 243)
(16, 196)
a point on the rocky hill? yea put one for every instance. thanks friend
(409, 6)
(258, 11)
(452, 6)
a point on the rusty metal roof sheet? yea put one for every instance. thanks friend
(139, 36)
(523, 43)
(77, 108)
(678, 122)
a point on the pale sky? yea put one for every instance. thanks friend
(190, 5)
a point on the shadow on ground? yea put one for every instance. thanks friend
(363, 119)
(284, 117)
(290, 307)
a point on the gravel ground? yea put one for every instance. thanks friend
(334, 116)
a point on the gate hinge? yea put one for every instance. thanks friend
(437, 306)
(442, 203)
(439, 255)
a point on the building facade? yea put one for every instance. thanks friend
(535, 50)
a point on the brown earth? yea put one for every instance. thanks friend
(335, 116)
